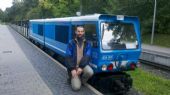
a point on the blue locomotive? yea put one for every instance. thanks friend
(116, 42)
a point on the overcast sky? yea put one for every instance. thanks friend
(5, 3)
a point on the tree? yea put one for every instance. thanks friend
(32, 9)
(1, 15)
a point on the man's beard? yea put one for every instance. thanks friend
(80, 40)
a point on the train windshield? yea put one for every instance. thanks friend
(116, 36)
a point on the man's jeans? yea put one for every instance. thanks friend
(76, 81)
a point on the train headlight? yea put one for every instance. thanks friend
(104, 67)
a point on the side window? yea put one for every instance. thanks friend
(90, 31)
(40, 30)
(91, 34)
(61, 33)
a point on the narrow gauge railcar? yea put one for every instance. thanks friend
(115, 39)
(116, 44)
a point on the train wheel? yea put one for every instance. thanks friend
(113, 83)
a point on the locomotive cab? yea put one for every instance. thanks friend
(116, 49)
(118, 44)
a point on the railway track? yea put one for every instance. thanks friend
(156, 65)
(155, 68)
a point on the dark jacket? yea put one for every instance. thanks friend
(71, 55)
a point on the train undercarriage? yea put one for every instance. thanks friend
(112, 83)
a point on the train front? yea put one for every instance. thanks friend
(119, 44)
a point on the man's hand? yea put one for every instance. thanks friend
(74, 73)
(79, 71)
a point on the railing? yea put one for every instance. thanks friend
(21, 27)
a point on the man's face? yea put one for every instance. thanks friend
(80, 31)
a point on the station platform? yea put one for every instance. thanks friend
(26, 70)
(156, 54)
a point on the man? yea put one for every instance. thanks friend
(78, 54)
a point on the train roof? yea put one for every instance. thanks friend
(94, 17)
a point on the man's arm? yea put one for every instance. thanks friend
(69, 58)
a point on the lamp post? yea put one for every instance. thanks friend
(81, 7)
(153, 25)
(79, 13)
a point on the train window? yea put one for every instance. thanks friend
(118, 36)
(61, 33)
(40, 30)
(90, 33)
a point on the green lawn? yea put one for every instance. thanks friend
(159, 39)
(150, 84)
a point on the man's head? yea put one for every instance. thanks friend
(79, 31)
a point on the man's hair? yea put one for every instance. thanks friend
(79, 26)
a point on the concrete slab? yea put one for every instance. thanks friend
(156, 54)
(156, 49)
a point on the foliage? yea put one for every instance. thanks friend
(150, 84)
(1, 15)
(159, 39)
(32, 9)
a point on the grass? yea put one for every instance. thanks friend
(159, 39)
(150, 84)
